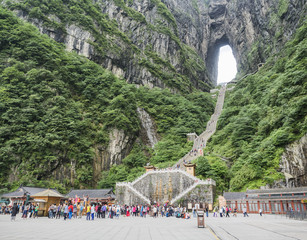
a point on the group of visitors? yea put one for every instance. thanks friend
(29, 210)
(98, 210)
(225, 211)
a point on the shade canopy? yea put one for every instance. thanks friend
(48, 193)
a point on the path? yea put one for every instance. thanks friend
(201, 141)
(268, 227)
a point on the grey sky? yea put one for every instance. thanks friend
(227, 66)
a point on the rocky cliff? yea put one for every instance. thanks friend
(162, 43)
(168, 43)
(294, 163)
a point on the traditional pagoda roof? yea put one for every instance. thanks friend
(23, 191)
(48, 193)
(92, 193)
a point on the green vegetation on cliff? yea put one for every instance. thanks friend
(262, 114)
(111, 40)
(55, 107)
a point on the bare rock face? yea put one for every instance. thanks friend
(175, 44)
(148, 130)
(118, 148)
(182, 33)
(294, 163)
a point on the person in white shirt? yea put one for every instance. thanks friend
(93, 211)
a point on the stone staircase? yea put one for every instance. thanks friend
(201, 141)
(136, 192)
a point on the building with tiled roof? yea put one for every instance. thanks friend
(92, 194)
(276, 201)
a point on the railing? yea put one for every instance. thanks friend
(140, 195)
(182, 194)
(297, 215)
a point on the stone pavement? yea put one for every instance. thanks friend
(254, 227)
(131, 228)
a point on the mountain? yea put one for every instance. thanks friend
(89, 87)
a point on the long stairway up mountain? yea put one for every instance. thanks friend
(201, 141)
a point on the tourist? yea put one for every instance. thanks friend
(245, 212)
(81, 207)
(75, 211)
(36, 211)
(207, 211)
(88, 212)
(117, 211)
(128, 211)
(58, 212)
(215, 211)
(112, 211)
(70, 211)
(154, 210)
(227, 212)
(25, 211)
(235, 212)
(221, 212)
(162, 211)
(260, 212)
(104, 209)
(14, 212)
(98, 210)
(93, 211)
(50, 213)
(65, 211)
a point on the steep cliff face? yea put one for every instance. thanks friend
(136, 40)
(169, 43)
(149, 128)
(163, 43)
(294, 163)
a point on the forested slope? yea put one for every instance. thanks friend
(55, 106)
(265, 112)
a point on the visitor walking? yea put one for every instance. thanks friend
(36, 211)
(235, 212)
(260, 212)
(65, 211)
(93, 211)
(215, 211)
(221, 212)
(88, 212)
(14, 212)
(227, 211)
(80, 210)
(245, 212)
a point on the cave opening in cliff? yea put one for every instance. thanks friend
(227, 66)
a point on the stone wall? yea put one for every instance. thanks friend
(294, 163)
(166, 186)
(161, 186)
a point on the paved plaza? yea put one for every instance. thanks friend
(254, 227)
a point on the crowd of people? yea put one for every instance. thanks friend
(74, 208)
(98, 210)
(90, 211)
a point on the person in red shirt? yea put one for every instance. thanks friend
(70, 210)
